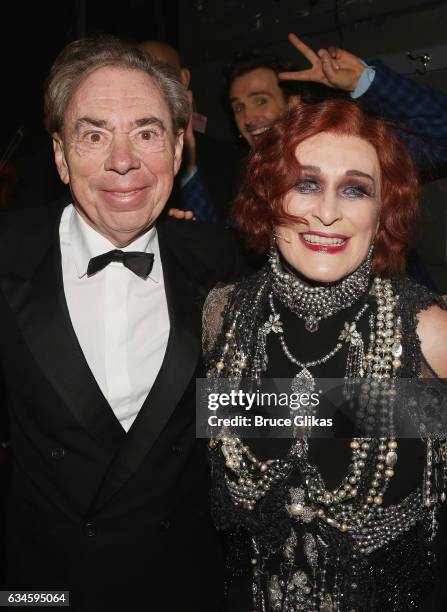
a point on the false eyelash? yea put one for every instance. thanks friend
(301, 181)
(361, 190)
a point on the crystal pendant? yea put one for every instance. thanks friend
(311, 323)
(303, 382)
(396, 349)
(391, 459)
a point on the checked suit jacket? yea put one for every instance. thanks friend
(418, 111)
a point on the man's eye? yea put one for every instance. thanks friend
(150, 135)
(308, 186)
(261, 101)
(94, 137)
(238, 108)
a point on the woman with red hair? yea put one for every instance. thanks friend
(317, 523)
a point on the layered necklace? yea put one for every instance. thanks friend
(304, 381)
(314, 303)
(378, 366)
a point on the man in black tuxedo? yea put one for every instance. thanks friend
(100, 308)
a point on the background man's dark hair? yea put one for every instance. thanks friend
(245, 62)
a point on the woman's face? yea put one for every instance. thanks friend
(338, 195)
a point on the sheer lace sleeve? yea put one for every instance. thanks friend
(212, 317)
(432, 332)
(413, 300)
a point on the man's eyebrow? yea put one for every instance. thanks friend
(150, 121)
(101, 123)
(252, 95)
(259, 93)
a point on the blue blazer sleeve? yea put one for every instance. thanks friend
(418, 110)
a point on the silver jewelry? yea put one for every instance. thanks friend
(316, 303)
(304, 381)
(380, 364)
(354, 510)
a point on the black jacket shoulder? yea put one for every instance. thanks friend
(207, 253)
(27, 233)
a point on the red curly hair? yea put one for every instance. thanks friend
(273, 170)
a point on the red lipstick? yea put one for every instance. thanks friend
(329, 249)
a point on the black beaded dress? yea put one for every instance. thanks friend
(283, 562)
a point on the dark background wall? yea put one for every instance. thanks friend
(207, 32)
(33, 33)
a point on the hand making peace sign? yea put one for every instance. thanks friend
(332, 67)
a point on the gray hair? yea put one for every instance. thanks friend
(81, 57)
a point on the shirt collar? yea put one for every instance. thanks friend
(88, 243)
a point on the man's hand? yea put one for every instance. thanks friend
(331, 67)
(186, 215)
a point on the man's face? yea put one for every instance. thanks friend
(257, 102)
(118, 152)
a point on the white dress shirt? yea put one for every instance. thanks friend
(121, 320)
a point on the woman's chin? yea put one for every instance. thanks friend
(322, 275)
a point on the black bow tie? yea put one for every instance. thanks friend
(140, 263)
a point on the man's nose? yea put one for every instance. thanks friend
(328, 209)
(122, 156)
(252, 115)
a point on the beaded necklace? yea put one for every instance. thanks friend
(379, 365)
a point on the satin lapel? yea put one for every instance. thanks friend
(42, 314)
(181, 358)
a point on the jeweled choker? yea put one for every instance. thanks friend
(316, 303)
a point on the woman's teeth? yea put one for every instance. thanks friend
(313, 239)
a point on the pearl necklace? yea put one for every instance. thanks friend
(254, 478)
(316, 303)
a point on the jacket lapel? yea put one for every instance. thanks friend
(41, 312)
(181, 358)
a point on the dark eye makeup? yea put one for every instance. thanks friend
(350, 189)
(358, 190)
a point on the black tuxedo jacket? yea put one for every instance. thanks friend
(121, 520)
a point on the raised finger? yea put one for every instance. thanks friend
(303, 48)
(298, 75)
